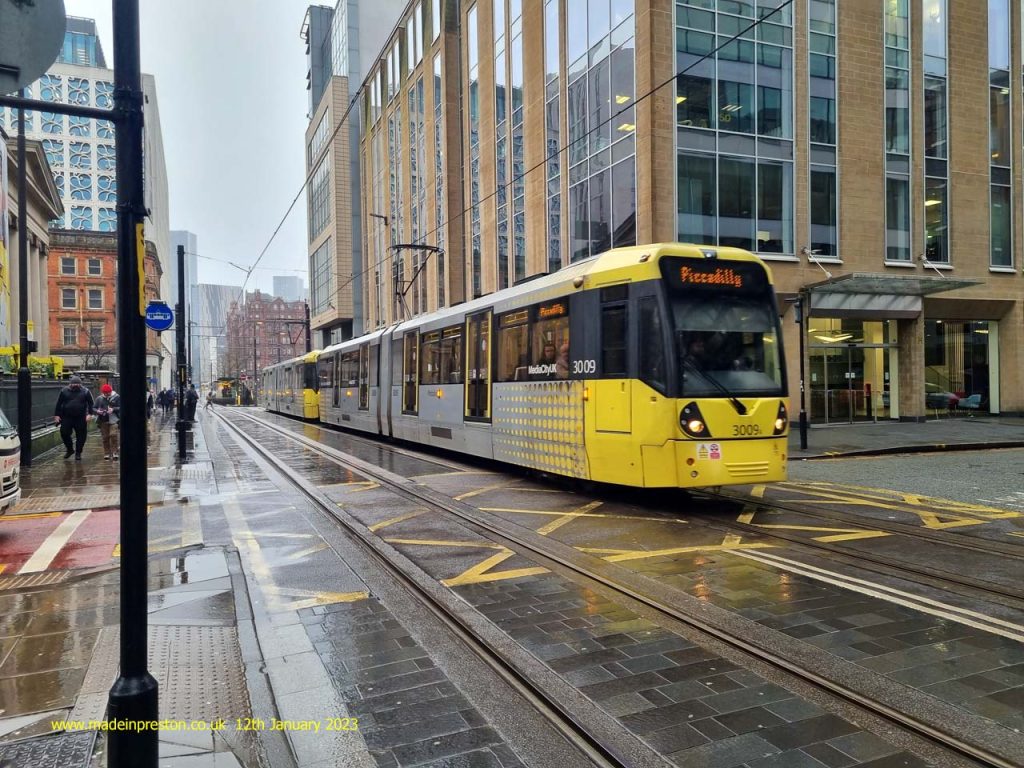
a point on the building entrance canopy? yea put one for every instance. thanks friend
(867, 295)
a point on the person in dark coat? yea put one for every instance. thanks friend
(74, 408)
(191, 400)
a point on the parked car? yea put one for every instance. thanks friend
(10, 465)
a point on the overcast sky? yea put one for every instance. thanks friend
(231, 85)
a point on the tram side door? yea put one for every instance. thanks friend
(478, 367)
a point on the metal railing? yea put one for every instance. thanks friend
(44, 398)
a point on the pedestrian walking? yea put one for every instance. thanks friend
(191, 400)
(160, 401)
(149, 405)
(108, 415)
(74, 408)
(209, 400)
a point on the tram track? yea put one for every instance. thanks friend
(559, 717)
(966, 586)
(981, 742)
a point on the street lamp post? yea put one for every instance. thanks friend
(798, 309)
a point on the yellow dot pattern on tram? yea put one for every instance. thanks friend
(540, 425)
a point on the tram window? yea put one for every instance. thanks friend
(326, 370)
(374, 366)
(410, 403)
(451, 355)
(350, 368)
(430, 358)
(613, 340)
(364, 375)
(652, 344)
(550, 331)
(514, 347)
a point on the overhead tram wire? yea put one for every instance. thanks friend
(460, 215)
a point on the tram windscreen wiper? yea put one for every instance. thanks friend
(741, 409)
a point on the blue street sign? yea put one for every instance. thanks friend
(159, 316)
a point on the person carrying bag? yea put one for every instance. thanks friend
(108, 412)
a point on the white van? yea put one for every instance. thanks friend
(10, 465)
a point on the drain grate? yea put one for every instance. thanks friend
(65, 750)
(43, 579)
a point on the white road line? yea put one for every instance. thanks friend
(49, 549)
(892, 595)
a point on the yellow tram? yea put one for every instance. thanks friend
(648, 366)
(291, 387)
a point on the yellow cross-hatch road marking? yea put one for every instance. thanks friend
(392, 521)
(568, 517)
(930, 518)
(447, 543)
(836, 534)
(609, 516)
(481, 572)
(485, 489)
(856, 493)
(310, 599)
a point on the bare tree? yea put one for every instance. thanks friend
(97, 356)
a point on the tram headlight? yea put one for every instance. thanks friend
(781, 420)
(692, 422)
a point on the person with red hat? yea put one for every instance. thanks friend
(108, 412)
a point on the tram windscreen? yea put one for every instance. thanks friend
(725, 328)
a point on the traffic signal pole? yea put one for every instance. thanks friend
(182, 372)
(24, 377)
(132, 702)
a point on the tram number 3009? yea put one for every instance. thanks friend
(745, 430)
(584, 366)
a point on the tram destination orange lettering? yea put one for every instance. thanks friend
(721, 276)
(551, 310)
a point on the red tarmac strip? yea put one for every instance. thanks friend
(91, 544)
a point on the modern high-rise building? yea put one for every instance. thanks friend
(212, 305)
(339, 44)
(289, 287)
(865, 150)
(81, 150)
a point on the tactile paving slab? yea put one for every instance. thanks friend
(50, 502)
(42, 579)
(65, 750)
(200, 672)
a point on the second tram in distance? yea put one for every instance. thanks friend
(649, 366)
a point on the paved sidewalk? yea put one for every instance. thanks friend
(59, 633)
(870, 439)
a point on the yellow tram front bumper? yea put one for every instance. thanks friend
(703, 463)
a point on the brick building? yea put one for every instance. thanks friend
(266, 329)
(869, 151)
(82, 284)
